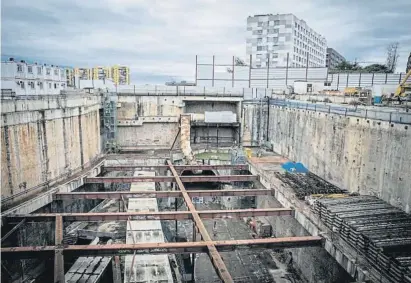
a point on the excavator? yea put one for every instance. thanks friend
(404, 89)
(402, 93)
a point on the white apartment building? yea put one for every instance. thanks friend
(271, 37)
(21, 78)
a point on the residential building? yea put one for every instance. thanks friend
(120, 75)
(101, 73)
(22, 78)
(283, 39)
(83, 73)
(333, 58)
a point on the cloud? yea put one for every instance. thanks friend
(159, 39)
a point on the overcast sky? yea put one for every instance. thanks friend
(159, 39)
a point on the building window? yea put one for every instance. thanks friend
(56, 72)
(30, 69)
(32, 85)
(55, 86)
(19, 68)
(260, 24)
(22, 84)
(49, 85)
(275, 39)
(259, 40)
(276, 23)
(48, 71)
(39, 71)
(41, 85)
(275, 55)
(276, 30)
(259, 48)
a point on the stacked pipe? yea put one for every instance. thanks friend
(377, 230)
(308, 184)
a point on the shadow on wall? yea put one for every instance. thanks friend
(200, 185)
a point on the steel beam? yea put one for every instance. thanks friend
(184, 179)
(159, 194)
(177, 167)
(214, 255)
(58, 252)
(17, 226)
(161, 215)
(160, 248)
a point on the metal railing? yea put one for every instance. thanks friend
(392, 116)
(158, 90)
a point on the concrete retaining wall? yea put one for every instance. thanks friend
(45, 140)
(365, 156)
(153, 121)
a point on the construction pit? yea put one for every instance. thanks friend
(188, 203)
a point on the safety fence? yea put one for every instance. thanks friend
(393, 116)
(226, 72)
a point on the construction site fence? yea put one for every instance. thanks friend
(401, 117)
(223, 72)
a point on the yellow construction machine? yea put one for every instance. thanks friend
(401, 94)
(403, 89)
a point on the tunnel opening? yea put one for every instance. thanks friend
(200, 185)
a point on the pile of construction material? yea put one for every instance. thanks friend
(308, 184)
(376, 229)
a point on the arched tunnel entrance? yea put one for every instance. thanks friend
(201, 185)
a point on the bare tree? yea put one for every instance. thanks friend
(392, 56)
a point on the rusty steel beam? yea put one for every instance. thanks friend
(184, 179)
(159, 248)
(161, 215)
(213, 253)
(177, 167)
(159, 194)
(58, 252)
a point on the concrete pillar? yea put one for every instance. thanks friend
(185, 124)
(115, 261)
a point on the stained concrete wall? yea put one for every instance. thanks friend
(365, 156)
(209, 106)
(254, 123)
(153, 121)
(45, 140)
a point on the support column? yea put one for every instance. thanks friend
(58, 253)
(176, 223)
(115, 262)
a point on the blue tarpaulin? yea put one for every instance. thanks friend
(294, 167)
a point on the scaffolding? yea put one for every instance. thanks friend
(110, 122)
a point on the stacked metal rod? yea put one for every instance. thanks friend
(376, 229)
(308, 184)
